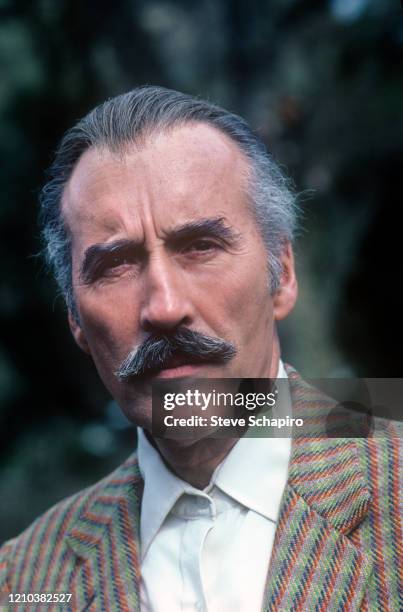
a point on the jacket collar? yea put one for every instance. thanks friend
(326, 472)
(314, 564)
(105, 538)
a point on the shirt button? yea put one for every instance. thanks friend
(203, 503)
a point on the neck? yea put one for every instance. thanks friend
(196, 462)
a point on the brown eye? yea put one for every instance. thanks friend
(112, 264)
(118, 260)
(202, 246)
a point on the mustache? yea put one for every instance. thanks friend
(154, 353)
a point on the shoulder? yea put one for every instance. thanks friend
(323, 414)
(44, 537)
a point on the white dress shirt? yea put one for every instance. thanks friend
(209, 550)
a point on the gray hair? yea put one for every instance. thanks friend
(125, 119)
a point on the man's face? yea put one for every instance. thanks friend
(163, 238)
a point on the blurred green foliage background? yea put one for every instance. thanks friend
(320, 80)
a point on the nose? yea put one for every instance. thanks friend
(166, 303)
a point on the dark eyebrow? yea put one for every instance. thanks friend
(97, 252)
(214, 227)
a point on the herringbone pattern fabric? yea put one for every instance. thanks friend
(337, 546)
(86, 544)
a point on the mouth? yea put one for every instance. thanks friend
(179, 366)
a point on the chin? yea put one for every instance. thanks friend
(138, 412)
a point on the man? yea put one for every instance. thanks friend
(169, 229)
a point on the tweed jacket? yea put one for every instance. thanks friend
(337, 544)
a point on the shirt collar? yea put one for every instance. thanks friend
(162, 489)
(267, 457)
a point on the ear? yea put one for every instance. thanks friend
(78, 333)
(286, 295)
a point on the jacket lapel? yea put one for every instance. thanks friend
(314, 564)
(105, 542)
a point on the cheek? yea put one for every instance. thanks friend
(256, 315)
(244, 304)
(108, 328)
